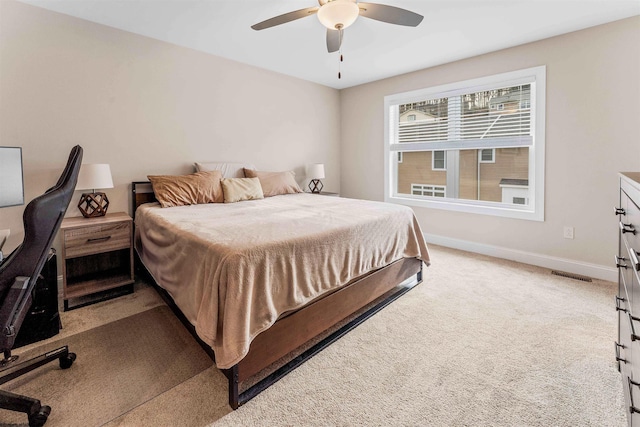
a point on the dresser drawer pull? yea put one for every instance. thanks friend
(634, 337)
(627, 228)
(634, 259)
(632, 407)
(618, 301)
(620, 211)
(98, 239)
(618, 347)
(619, 263)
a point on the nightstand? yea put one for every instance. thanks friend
(97, 256)
(327, 193)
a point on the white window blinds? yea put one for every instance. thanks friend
(499, 117)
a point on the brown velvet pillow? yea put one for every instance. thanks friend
(275, 183)
(238, 189)
(179, 190)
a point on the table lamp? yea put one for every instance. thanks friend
(94, 176)
(315, 172)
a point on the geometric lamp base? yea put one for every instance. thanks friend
(93, 204)
(315, 185)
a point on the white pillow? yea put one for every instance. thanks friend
(229, 170)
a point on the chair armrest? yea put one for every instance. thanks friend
(16, 299)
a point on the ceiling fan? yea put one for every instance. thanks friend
(337, 15)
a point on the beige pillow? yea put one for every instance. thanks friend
(275, 183)
(238, 189)
(193, 189)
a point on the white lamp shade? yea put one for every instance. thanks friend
(94, 176)
(315, 171)
(338, 14)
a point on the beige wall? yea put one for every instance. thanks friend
(592, 111)
(147, 107)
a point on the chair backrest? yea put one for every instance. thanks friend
(42, 218)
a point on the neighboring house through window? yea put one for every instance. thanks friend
(473, 146)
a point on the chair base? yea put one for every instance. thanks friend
(36, 412)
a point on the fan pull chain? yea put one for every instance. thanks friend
(341, 58)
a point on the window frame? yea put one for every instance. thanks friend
(433, 160)
(429, 188)
(536, 76)
(493, 155)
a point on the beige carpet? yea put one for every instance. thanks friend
(120, 365)
(482, 342)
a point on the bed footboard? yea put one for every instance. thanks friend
(382, 286)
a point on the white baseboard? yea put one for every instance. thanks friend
(561, 264)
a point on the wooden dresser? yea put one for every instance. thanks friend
(628, 298)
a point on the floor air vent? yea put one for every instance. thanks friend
(571, 276)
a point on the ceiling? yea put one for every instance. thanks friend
(451, 30)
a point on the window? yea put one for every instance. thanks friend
(484, 141)
(399, 156)
(428, 190)
(487, 155)
(411, 118)
(438, 161)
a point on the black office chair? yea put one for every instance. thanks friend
(18, 275)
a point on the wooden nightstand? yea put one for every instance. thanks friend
(97, 255)
(327, 193)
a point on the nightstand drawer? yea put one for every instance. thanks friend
(97, 239)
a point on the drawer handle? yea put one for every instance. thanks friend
(619, 263)
(620, 211)
(632, 407)
(618, 347)
(634, 337)
(634, 259)
(627, 228)
(618, 301)
(98, 239)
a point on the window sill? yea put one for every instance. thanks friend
(469, 206)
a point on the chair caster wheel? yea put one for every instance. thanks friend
(37, 419)
(67, 361)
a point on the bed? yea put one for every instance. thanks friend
(257, 280)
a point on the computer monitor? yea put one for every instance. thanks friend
(11, 183)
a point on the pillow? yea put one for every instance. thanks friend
(275, 183)
(238, 189)
(229, 170)
(193, 189)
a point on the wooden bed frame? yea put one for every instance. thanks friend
(357, 301)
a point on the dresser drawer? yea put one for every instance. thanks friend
(630, 221)
(623, 263)
(632, 397)
(97, 239)
(623, 343)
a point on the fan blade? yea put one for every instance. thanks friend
(390, 14)
(284, 18)
(334, 40)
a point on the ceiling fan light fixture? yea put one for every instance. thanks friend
(338, 14)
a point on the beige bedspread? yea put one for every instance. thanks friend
(233, 269)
